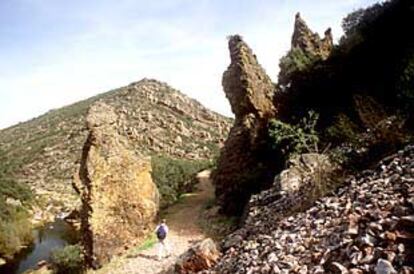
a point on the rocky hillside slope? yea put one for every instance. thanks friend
(366, 226)
(157, 119)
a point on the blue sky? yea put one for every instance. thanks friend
(56, 52)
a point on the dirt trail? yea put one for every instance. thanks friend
(182, 219)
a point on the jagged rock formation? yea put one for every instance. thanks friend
(200, 256)
(306, 48)
(245, 165)
(366, 226)
(119, 199)
(157, 119)
(251, 94)
(309, 41)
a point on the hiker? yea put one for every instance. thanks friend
(162, 231)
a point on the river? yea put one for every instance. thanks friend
(52, 236)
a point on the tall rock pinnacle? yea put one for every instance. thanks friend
(251, 94)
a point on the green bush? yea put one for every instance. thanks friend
(295, 60)
(405, 83)
(343, 129)
(175, 176)
(295, 139)
(68, 260)
(15, 229)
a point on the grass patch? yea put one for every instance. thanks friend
(148, 243)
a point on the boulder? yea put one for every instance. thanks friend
(201, 256)
(251, 94)
(119, 198)
(305, 168)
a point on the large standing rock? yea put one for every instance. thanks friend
(201, 256)
(119, 199)
(251, 94)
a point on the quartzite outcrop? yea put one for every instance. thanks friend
(119, 198)
(309, 41)
(306, 48)
(251, 94)
(246, 163)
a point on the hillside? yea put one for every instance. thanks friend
(365, 226)
(44, 152)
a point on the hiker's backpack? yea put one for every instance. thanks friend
(161, 232)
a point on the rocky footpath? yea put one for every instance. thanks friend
(251, 94)
(119, 198)
(366, 226)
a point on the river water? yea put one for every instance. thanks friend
(52, 236)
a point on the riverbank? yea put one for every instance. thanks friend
(50, 236)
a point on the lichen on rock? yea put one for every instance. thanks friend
(119, 198)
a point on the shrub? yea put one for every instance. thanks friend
(356, 23)
(295, 139)
(381, 127)
(15, 229)
(175, 176)
(68, 260)
(343, 130)
(295, 60)
(319, 175)
(405, 84)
